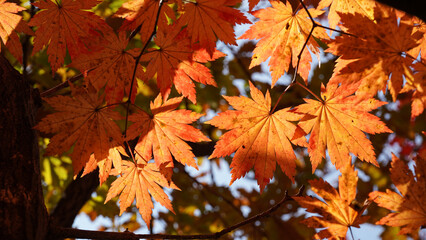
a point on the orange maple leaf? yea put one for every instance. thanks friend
(65, 25)
(376, 51)
(419, 26)
(259, 137)
(208, 20)
(336, 123)
(82, 121)
(194, 70)
(365, 7)
(337, 214)
(10, 24)
(140, 181)
(143, 13)
(417, 85)
(105, 165)
(172, 48)
(163, 133)
(112, 67)
(409, 211)
(282, 34)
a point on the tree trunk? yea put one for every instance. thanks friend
(22, 211)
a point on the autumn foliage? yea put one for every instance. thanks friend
(141, 79)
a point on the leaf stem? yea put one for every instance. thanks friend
(299, 56)
(336, 30)
(352, 234)
(110, 105)
(312, 93)
(282, 94)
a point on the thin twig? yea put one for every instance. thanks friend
(137, 60)
(214, 192)
(63, 85)
(307, 89)
(336, 30)
(352, 234)
(60, 232)
(299, 56)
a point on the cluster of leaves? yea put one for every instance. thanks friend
(172, 42)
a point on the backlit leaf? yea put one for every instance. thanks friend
(140, 181)
(282, 34)
(337, 123)
(259, 138)
(408, 208)
(337, 214)
(81, 121)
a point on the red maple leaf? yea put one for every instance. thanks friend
(65, 25)
(81, 121)
(162, 133)
(208, 21)
(172, 48)
(111, 67)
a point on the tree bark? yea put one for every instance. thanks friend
(22, 211)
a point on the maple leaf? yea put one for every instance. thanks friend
(417, 84)
(172, 48)
(365, 7)
(337, 123)
(253, 3)
(10, 24)
(82, 121)
(112, 67)
(282, 34)
(163, 133)
(140, 181)
(408, 210)
(419, 27)
(105, 165)
(259, 138)
(65, 25)
(210, 20)
(337, 214)
(376, 52)
(194, 70)
(143, 13)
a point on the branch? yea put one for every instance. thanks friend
(137, 60)
(77, 193)
(60, 86)
(299, 56)
(61, 232)
(214, 192)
